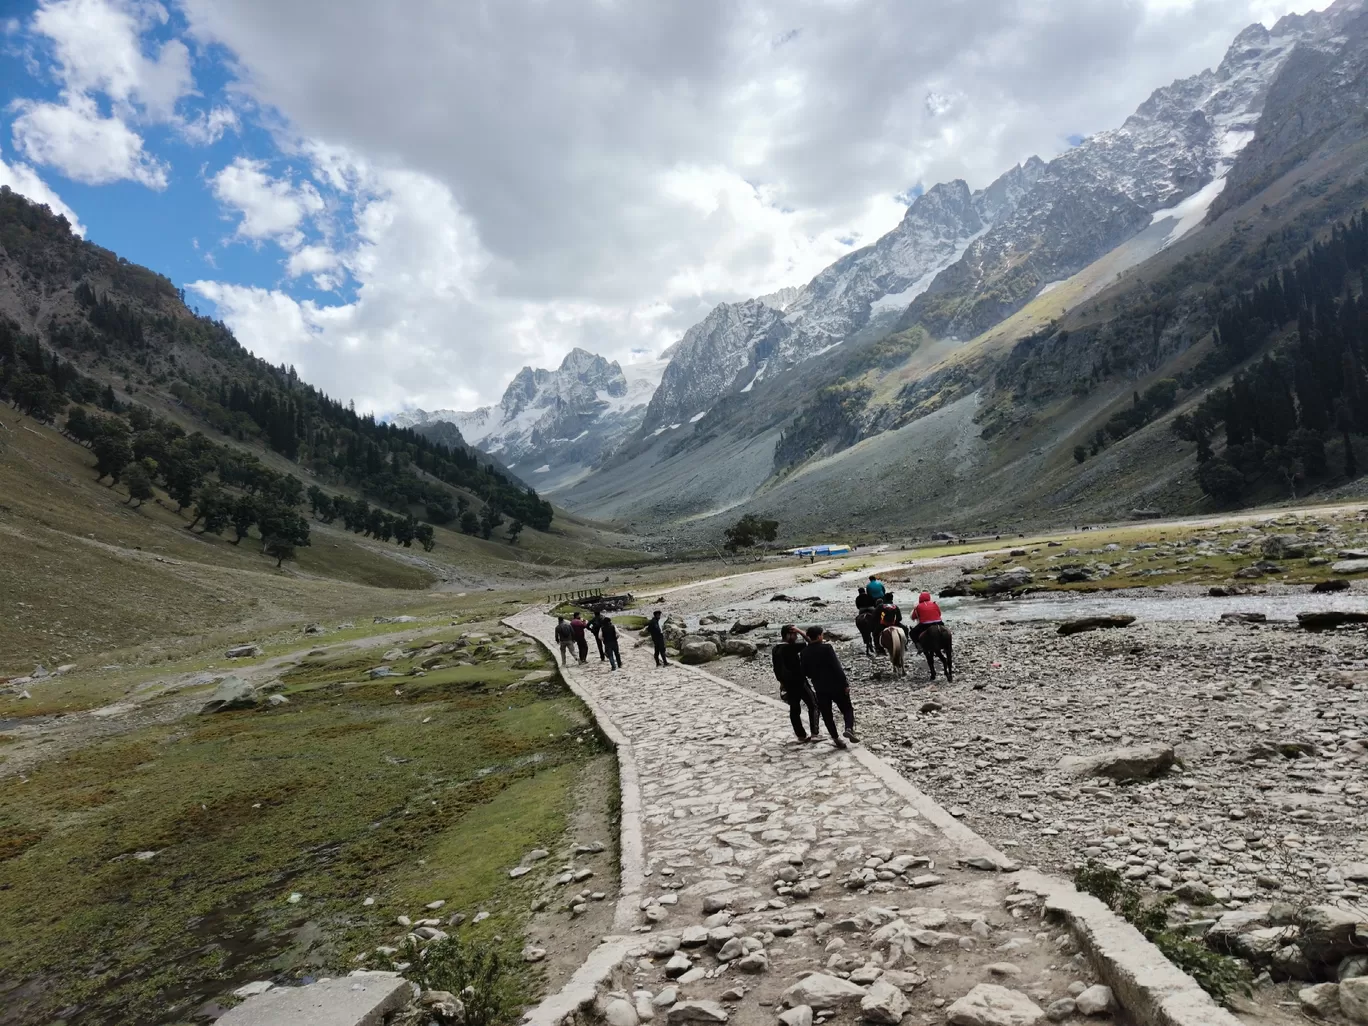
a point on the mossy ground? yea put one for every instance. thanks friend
(404, 789)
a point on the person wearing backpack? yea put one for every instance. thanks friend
(609, 640)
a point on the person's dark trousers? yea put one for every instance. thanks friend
(583, 649)
(660, 657)
(797, 698)
(598, 640)
(841, 699)
(614, 656)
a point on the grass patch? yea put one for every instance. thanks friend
(1219, 975)
(339, 795)
(1152, 557)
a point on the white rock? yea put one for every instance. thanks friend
(799, 1016)
(991, 1005)
(883, 1004)
(821, 991)
(620, 1012)
(1096, 1000)
(253, 989)
(666, 997)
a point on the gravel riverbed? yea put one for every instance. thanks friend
(1270, 724)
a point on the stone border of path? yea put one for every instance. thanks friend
(1150, 987)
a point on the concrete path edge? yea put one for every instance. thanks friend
(1150, 987)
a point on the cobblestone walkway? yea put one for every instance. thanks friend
(763, 859)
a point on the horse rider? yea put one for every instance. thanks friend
(889, 616)
(875, 589)
(863, 600)
(926, 613)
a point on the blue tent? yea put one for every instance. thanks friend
(821, 550)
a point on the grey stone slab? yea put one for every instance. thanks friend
(349, 1001)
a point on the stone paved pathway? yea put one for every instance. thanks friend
(763, 859)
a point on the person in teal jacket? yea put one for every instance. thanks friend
(875, 588)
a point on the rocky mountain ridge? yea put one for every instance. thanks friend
(570, 416)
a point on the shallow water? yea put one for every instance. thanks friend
(1149, 606)
(1144, 604)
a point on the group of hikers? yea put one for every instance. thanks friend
(876, 612)
(811, 677)
(574, 634)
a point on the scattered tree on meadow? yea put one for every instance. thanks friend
(750, 530)
(514, 529)
(137, 476)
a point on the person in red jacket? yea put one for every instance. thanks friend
(926, 613)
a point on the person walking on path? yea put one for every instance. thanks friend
(875, 589)
(656, 630)
(595, 625)
(793, 686)
(577, 629)
(822, 666)
(564, 638)
(609, 641)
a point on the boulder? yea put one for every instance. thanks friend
(800, 1016)
(694, 650)
(746, 624)
(1245, 617)
(1283, 546)
(1329, 933)
(1332, 585)
(1352, 553)
(883, 1004)
(1096, 1000)
(820, 992)
(991, 1005)
(696, 1011)
(740, 647)
(1008, 580)
(1075, 575)
(1095, 623)
(959, 589)
(232, 693)
(1140, 762)
(1322, 1000)
(1350, 566)
(243, 652)
(620, 1012)
(1353, 999)
(1329, 619)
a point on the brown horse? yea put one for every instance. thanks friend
(935, 641)
(867, 622)
(891, 641)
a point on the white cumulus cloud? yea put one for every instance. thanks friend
(98, 48)
(83, 144)
(271, 208)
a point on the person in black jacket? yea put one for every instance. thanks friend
(863, 600)
(595, 625)
(793, 686)
(609, 641)
(823, 667)
(656, 630)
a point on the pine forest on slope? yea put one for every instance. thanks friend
(101, 317)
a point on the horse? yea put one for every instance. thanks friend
(867, 622)
(935, 641)
(891, 641)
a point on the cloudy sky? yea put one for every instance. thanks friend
(409, 207)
